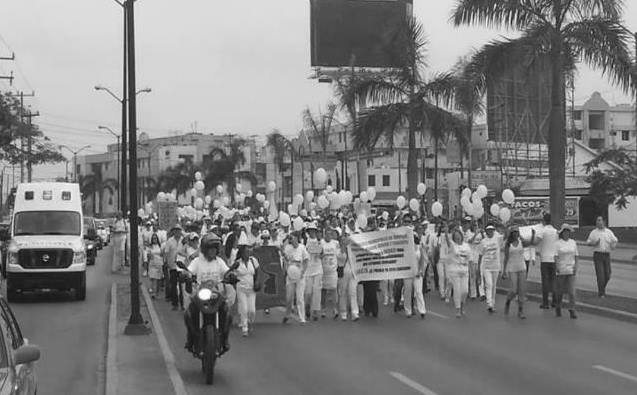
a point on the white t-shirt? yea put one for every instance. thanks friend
(208, 270)
(458, 258)
(245, 274)
(548, 244)
(605, 237)
(566, 252)
(314, 265)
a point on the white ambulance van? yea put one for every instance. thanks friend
(47, 242)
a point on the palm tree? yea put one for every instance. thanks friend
(178, 177)
(221, 166)
(94, 184)
(320, 126)
(405, 97)
(282, 146)
(563, 32)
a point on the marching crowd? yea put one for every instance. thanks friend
(458, 261)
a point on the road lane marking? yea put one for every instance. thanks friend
(412, 384)
(437, 315)
(615, 372)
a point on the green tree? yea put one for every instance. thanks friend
(564, 32)
(405, 97)
(320, 126)
(615, 185)
(221, 165)
(94, 185)
(178, 177)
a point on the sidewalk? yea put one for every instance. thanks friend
(624, 253)
(135, 364)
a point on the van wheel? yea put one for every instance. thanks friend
(80, 291)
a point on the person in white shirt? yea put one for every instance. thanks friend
(295, 260)
(547, 237)
(313, 273)
(458, 268)
(566, 268)
(473, 240)
(329, 296)
(246, 294)
(347, 284)
(603, 240)
(489, 261)
(119, 243)
(412, 287)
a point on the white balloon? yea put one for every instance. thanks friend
(361, 221)
(323, 202)
(482, 191)
(161, 196)
(219, 189)
(260, 198)
(385, 215)
(401, 202)
(208, 199)
(284, 219)
(266, 204)
(470, 210)
(465, 202)
(199, 203)
(414, 204)
(238, 187)
(193, 192)
(329, 189)
(303, 213)
(200, 186)
(312, 213)
(320, 175)
(466, 192)
(309, 196)
(249, 193)
(313, 206)
(290, 208)
(198, 176)
(495, 210)
(478, 204)
(225, 201)
(436, 209)
(335, 203)
(350, 197)
(271, 186)
(173, 196)
(216, 203)
(371, 194)
(298, 223)
(422, 188)
(298, 199)
(505, 214)
(141, 213)
(508, 196)
(363, 196)
(478, 212)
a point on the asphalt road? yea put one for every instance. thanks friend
(479, 354)
(71, 334)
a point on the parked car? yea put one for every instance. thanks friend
(5, 239)
(90, 240)
(17, 357)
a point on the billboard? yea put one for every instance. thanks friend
(357, 32)
(530, 210)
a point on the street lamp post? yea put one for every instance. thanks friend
(119, 201)
(75, 158)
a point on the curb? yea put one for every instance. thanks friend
(112, 378)
(169, 357)
(587, 308)
(623, 261)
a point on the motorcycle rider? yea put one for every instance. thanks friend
(208, 266)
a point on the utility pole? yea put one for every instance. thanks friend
(30, 116)
(136, 324)
(24, 141)
(635, 91)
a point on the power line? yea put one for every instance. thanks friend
(17, 65)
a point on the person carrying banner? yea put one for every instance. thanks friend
(295, 261)
(347, 284)
(329, 295)
(412, 287)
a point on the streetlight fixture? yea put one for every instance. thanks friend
(119, 201)
(74, 158)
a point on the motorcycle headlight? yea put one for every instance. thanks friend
(204, 294)
(90, 246)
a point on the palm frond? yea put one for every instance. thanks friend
(280, 145)
(585, 9)
(603, 44)
(378, 90)
(379, 122)
(515, 14)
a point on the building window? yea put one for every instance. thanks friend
(625, 135)
(596, 143)
(340, 137)
(577, 134)
(577, 115)
(167, 154)
(370, 163)
(371, 181)
(385, 180)
(596, 120)
(430, 173)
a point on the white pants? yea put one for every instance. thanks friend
(119, 247)
(295, 289)
(460, 284)
(442, 278)
(490, 285)
(246, 304)
(412, 287)
(473, 279)
(313, 286)
(387, 291)
(348, 292)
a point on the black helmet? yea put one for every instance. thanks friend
(210, 240)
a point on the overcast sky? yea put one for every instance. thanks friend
(234, 66)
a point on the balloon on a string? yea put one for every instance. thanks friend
(465, 202)
(313, 206)
(401, 202)
(371, 194)
(361, 221)
(284, 219)
(266, 204)
(495, 210)
(422, 188)
(199, 203)
(238, 187)
(200, 186)
(342, 198)
(260, 197)
(414, 204)
(505, 214)
(216, 203)
(478, 203)
(271, 186)
(363, 196)
(323, 202)
(312, 213)
(309, 196)
(173, 196)
(141, 213)
(320, 175)
(290, 206)
(298, 199)
(249, 193)
(466, 192)
(470, 210)
(225, 201)
(198, 176)
(161, 196)
(350, 197)
(478, 213)
(482, 191)
(298, 224)
(329, 189)
(208, 199)
(193, 192)
(436, 209)
(385, 215)
(220, 189)
(303, 213)
(508, 196)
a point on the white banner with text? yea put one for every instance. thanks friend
(384, 255)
